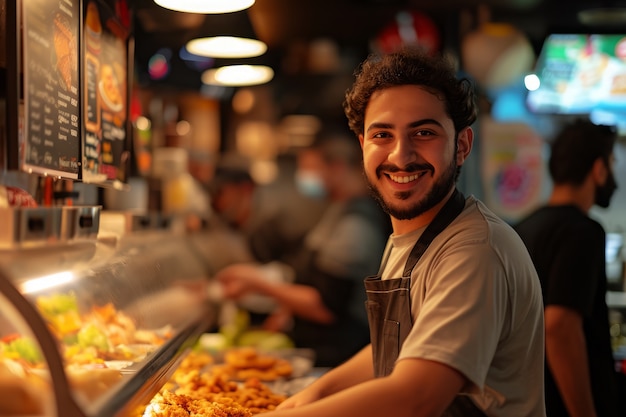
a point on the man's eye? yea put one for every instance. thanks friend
(379, 135)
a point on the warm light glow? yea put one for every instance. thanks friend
(264, 172)
(238, 75)
(243, 101)
(205, 6)
(532, 82)
(49, 281)
(143, 123)
(226, 47)
(183, 127)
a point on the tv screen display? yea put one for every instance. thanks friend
(580, 73)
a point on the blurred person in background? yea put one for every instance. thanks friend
(568, 249)
(231, 190)
(455, 312)
(269, 221)
(321, 305)
(287, 209)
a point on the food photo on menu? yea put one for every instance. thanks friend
(105, 93)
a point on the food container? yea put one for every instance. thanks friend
(80, 222)
(27, 226)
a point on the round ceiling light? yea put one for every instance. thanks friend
(226, 47)
(205, 6)
(238, 75)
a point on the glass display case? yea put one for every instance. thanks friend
(95, 327)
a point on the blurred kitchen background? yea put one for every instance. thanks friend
(311, 49)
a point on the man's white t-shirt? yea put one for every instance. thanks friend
(476, 306)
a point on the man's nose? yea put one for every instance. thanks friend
(402, 152)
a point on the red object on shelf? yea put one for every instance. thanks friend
(409, 28)
(15, 197)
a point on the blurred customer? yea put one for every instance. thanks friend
(326, 298)
(568, 250)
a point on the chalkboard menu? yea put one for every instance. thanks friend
(51, 87)
(105, 94)
(74, 113)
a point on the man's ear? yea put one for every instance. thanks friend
(465, 140)
(599, 171)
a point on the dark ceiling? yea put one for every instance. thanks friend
(352, 24)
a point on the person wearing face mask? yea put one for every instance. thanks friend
(568, 249)
(308, 176)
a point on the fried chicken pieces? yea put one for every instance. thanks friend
(167, 404)
(194, 392)
(247, 362)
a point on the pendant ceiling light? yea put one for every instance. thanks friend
(228, 35)
(226, 47)
(238, 75)
(205, 6)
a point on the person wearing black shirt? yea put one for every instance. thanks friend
(567, 247)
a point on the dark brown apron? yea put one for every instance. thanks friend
(389, 306)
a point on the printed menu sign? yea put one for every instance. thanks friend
(51, 87)
(104, 94)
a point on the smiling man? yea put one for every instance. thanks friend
(455, 314)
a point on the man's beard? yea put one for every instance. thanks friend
(605, 192)
(439, 191)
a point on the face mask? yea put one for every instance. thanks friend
(310, 184)
(605, 192)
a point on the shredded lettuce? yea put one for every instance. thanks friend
(57, 304)
(91, 335)
(25, 349)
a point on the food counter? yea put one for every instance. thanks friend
(96, 326)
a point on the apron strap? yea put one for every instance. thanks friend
(453, 207)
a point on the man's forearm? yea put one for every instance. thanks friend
(567, 358)
(357, 369)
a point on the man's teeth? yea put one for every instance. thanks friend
(403, 179)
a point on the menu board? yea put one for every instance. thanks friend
(105, 89)
(580, 73)
(51, 87)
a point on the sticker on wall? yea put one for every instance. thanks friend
(514, 168)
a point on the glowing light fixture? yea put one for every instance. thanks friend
(46, 282)
(205, 6)
(229, 35)
(238, 75)
(226, 47)
(532, 82)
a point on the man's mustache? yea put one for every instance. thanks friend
(409, 169)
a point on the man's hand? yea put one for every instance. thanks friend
(239, 279)
(306, 396)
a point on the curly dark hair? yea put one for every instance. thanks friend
(410, 66)
(575, 149)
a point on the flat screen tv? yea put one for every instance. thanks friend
(580, 74)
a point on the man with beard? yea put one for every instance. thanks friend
(455, 314)
(568, 249)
